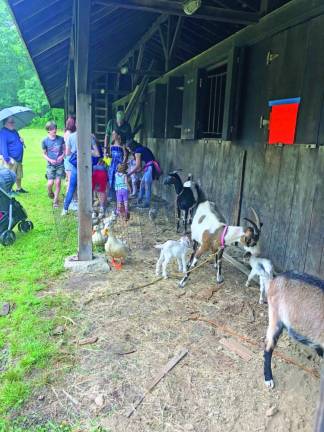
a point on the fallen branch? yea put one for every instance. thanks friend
(135, 288)
(88, 341)
(170, 365)
(278, 354)
(69, 319)
(127, 352)
(74, 401)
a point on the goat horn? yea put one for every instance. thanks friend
(257, 219)
(253, 224)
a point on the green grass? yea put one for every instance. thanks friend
(26, 267)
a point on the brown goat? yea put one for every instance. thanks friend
(296, 303)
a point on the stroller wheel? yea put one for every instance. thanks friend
(25, 226)
(7, 238)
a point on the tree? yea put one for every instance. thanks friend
(19, 84)
(32, 95)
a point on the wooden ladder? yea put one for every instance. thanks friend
(101, 112)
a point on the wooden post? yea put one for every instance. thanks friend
(83, 118)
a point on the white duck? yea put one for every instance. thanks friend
(115, 249)
(98, 238)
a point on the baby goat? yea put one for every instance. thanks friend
(296, 303)
(212, 234)
(185, 197)
(172, 249)
(263, 268)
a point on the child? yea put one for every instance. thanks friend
(54, 150)
(121, 188)
(134, 177)
(100, 183)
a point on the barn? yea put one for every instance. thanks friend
(231, 91)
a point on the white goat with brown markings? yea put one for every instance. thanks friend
(210, 233)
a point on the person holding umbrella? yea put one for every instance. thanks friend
(11, 144)
(12, 151)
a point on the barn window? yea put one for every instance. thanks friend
(213, 101)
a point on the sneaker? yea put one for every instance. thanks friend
(55, 204)
(73, 206)
(64, 212)
(21, 190)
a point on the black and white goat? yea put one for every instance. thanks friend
(210, 233)
(185, 197)
(296, 303)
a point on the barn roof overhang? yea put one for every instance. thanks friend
(136, 32)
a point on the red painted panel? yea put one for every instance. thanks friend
(282, 125)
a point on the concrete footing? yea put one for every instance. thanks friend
(98, 264)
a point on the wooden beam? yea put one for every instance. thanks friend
(146, 37)
(49, 43)
(265, 6)
(148, 72)
(102, 13)
(48, 28)
(175, 36)
(83, 115)
(40, 8)
(163, 43)
(139, 63)
(210, 13)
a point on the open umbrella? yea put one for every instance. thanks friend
(22, 115)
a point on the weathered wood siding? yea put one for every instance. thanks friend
(285, 184)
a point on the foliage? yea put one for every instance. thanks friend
(55, 114)
(19, 84)
(15, 67)
(32, 95)
(35, 259)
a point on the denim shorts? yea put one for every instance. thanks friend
(55, 171)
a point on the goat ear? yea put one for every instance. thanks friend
(255, 227)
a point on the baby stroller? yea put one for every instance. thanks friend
(11, 211)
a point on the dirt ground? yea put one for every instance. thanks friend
(211, 389)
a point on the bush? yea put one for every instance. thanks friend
(55, 114)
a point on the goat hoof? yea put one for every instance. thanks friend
(181, 284)
(269, 384)
(165, 277)
(219, 279)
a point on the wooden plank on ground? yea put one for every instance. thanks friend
(237, 348)
(167, 368)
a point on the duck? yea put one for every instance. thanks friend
(98, 239)
(110, 220)
(115, 249)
